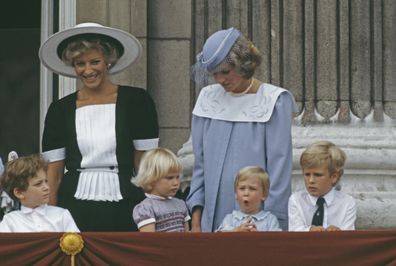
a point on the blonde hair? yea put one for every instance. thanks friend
(18, 172)
(86, 43)
(324, 152)
(155, 164)
(253, 171)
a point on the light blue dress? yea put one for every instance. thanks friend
(229, 133)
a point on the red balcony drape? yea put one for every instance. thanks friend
(264, 248)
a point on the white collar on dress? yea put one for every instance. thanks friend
(214, 102)
(152, 196)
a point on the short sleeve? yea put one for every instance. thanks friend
(5, 225)
(53, 143)
(227, 224)
(143, 214)
(273, 224)
(68, 222)
(146, 124)
(186, 214)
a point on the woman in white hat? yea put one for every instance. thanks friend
(237, 122)
(99, 132)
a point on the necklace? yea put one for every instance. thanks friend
(243, 92)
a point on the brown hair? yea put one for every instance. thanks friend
(243, 56)
(17, 173)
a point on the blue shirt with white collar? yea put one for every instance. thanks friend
(264, 221)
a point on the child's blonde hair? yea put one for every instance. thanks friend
(253, 171)
(18, 172)
(324, 152)
(155, 164)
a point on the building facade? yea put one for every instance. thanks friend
(338, 58)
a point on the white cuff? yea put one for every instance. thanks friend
(145, 144)
(146, 222)
(54, 155)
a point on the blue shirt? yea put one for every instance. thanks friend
(264, 221)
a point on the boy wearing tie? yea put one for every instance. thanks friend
(320, 207)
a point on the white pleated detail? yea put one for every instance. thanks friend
(95, 127)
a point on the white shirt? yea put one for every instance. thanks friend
(44, 218)
(96, 139)
(339, 210)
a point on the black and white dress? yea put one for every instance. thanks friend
(97, 143)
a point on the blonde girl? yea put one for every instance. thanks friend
(159, 176)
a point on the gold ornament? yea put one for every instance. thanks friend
(71, 244)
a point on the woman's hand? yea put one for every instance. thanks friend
(196, 219)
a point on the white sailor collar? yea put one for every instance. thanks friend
(214, 102)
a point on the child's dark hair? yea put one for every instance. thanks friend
(17, 173)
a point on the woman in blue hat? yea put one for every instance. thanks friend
(237, 122)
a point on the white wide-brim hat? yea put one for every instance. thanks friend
(50, 55)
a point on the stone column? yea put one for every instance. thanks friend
(169, 52)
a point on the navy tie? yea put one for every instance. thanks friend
(317, 218)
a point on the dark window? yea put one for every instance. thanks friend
(19, 76)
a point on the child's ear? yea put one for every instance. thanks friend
(18, 193)
(335, 177)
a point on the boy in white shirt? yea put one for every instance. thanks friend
(25, 180)
(320, 207)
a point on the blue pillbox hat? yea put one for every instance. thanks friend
(217, 47)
